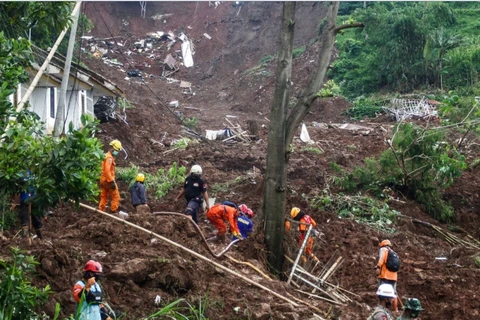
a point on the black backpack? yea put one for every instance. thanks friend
(393, 261)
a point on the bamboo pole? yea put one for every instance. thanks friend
(47, 61)
(201, 257)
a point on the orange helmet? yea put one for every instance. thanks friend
(294, 212)
(385, 243)
(93, 266)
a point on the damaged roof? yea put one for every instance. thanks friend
(81, 73)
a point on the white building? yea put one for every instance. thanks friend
(85, 87)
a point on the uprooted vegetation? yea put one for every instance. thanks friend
(419, 164)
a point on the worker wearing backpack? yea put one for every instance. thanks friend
(387, 267)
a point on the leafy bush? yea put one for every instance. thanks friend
(159, 183)
(266, 59)
(419, 163)
(364, 107)
(19, 299)
(181, 309)
(181, 143)
(363, 209)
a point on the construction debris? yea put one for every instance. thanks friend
(218, 134)
(402, 109)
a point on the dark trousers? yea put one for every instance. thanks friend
(23, 214)
(192, 209)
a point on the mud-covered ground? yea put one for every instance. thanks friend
(139, 267)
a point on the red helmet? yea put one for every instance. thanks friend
(93, 266)
(385, 243)
(246, 210)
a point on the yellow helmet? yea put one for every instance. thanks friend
(116, 145)
(140, 177)
(294, 212)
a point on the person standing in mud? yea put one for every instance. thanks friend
(108, 185)
(304, 222)
(220, 213)
(195, 192)
(384, 274)
(411, 309)
(88, 293)
(138, 195)
(26, 208)
(385, 294)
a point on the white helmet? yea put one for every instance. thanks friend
(386, 290)
(196, 169)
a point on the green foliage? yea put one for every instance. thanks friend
(314, 150)
(181, 143)
(181, 309)
(45, 20)
(330, 89)
(477, 262)
(297, 52)
(19, 299)
(159, 183)
(66, 169)
(406, 47)
(419, 163)
(190, 122)
(363, 209)
(125, 104)
(266, 59)
(364, 107)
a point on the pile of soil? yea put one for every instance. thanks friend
(139, 267)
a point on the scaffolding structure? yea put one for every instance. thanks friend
(307, 273)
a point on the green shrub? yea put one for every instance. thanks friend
(298, 52)
(266, 59)
(19, 299)
(159, 183)
(363, 209)
(364, 107)
(420, 164)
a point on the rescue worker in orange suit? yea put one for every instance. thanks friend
(220, 213)
(108, 185)
(305, 221)
(385, 275)
(88, 293)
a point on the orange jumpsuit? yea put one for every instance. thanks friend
(106, 191)
(220, 213)
(302, 228)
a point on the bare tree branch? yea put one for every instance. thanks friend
(349, 26)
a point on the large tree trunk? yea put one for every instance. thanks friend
(327, 41)
(275, 182)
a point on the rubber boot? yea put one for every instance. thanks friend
(24, 232)
(39, 233)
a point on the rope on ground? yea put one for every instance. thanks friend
(192, 253)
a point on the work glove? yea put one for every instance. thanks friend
(237, 235)
(113, 185)
(90, 283)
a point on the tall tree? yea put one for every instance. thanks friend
(282, 128)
